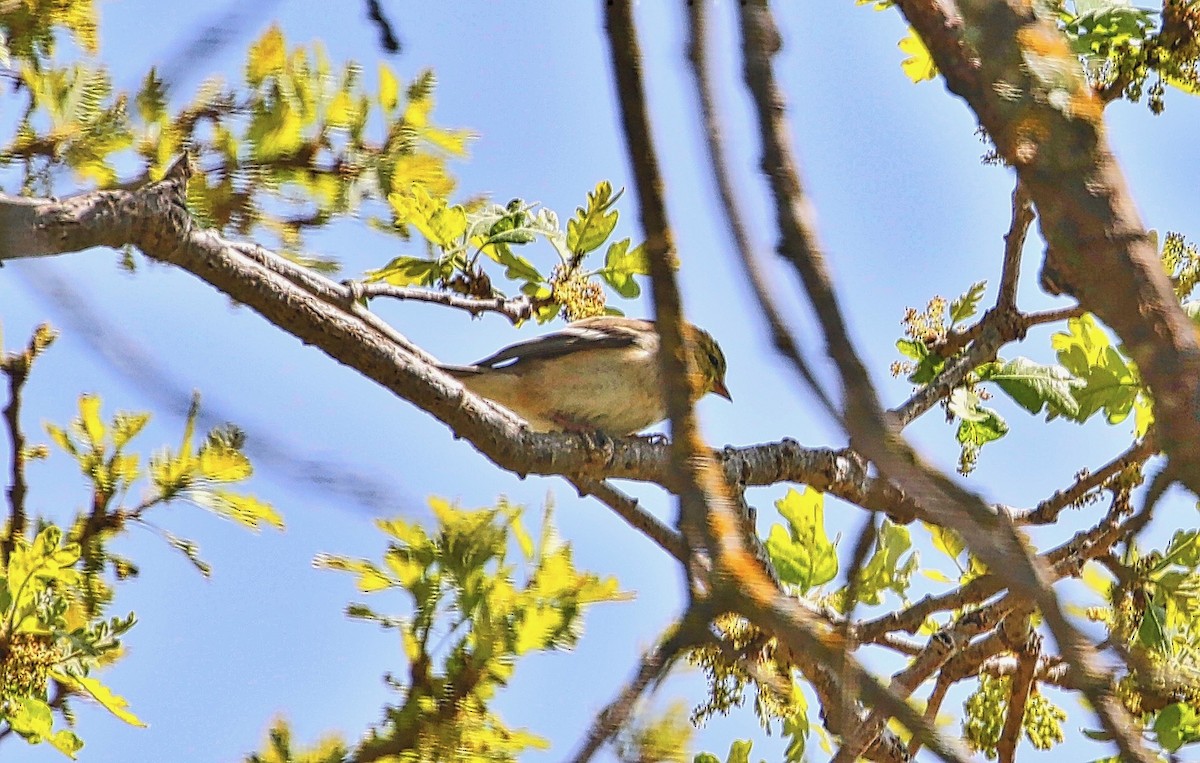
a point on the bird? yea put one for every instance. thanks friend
(595, 375)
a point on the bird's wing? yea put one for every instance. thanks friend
(588, 334)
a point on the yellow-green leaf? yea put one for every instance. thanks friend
(223, 464)
(66, 742)
(113, 703)
(126, 426)
(802, 552)
(438, 222)
(30, 717)
(89, 418)
(936, 575)
(267, 56)
(946, 540)
(408, 271)
(524, 541)
(61, 439)
(342, 110)
(389, 89)
(537, 628)
(404, 566)
(919, 65)
(243, 509)
(1095, 578)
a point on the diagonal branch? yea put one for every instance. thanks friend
(707, 515)
(1053, 134)
(652, 668)
(987, 534)
(781, 335)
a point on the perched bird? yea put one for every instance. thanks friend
(596, 374)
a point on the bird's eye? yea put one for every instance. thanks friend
(714, 360)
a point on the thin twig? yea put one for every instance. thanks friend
(1047, 512)
(16, 367)
(628, 508)
(942, 645)
(1052, 316)
(782, 338)
(1014, 244)
(653, 667)
(515, 309)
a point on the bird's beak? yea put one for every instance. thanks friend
(719, 388)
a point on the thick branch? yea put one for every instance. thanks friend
(1053, 133)
(986, 533)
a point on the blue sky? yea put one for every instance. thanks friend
(906, 211)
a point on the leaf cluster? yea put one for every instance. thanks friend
(469, 622)
(54, 629)
(287, 150)
(462, 238)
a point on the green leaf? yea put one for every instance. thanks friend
(409, 271)
(113, 703)
(1110, 383)
(243, 509)
(1035, 386)
(966, 305)
(929, 365)
(1152, 632)
(885, 570)
(911, 348)
(1176, 725)
(802, 554)
(1101, 27)
(979, 424)
(516, 268)
(593, 224)
(621, 265)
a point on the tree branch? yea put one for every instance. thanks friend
(515, 309)
(1098, 249)
(988, 535)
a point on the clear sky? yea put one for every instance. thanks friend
(906, 211)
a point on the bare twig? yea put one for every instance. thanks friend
(627, 508)
(16, 367)
(940, 648)
(655, 663)
(785, 343)
(515, 309)
(1014, 244)
(1052, 316)
(1048, 510)
(697, 481)
(987, 534)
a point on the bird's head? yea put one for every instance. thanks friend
(710, 363)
